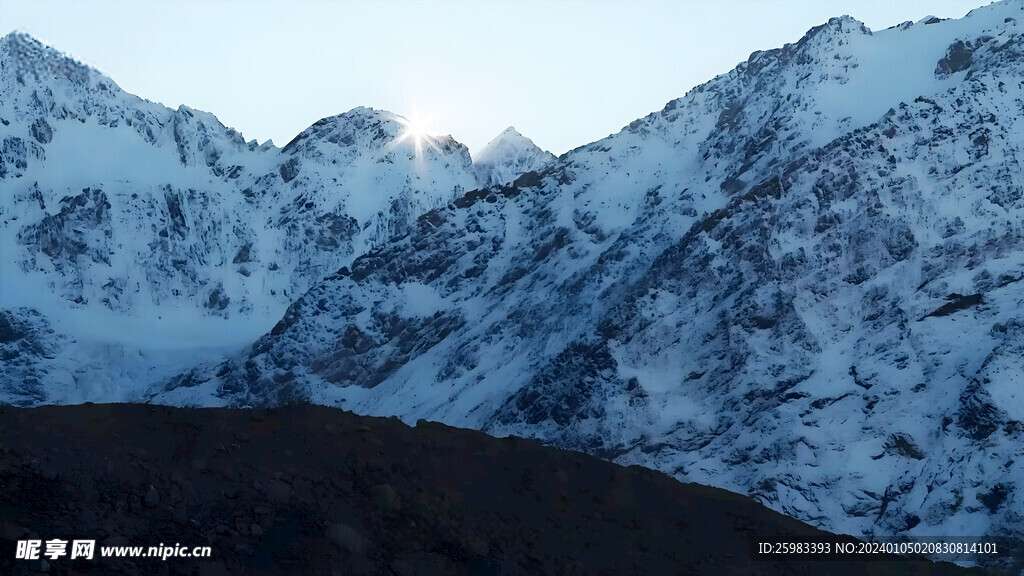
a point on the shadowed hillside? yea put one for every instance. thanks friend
(315, 490)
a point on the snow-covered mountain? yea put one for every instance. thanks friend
(152, 237)
(800, 281)
(509, 156)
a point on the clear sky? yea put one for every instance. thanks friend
(564, 73)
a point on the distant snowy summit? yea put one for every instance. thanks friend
(509, 156)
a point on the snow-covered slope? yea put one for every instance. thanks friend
(509, 156)
(152, 238)
(800, 281)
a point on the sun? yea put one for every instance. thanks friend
(416, 130)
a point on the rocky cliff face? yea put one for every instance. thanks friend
(799, 281)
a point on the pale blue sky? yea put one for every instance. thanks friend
(564, 73)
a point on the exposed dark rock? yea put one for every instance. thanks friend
(242, 255)
(41, 131)
(14, 155)
(173, 200)
(994, 498)
(367, 359)
(11, 329)
(568, 392)
(956, 303)
(730, 115)
(63, 236)
(900, 242)
(732, 185)
(289, 170)
(904, 446)
(959, 56)
(217, 299)
(336, 230)
(25, 339)
(977, 416)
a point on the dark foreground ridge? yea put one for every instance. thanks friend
(312, 490)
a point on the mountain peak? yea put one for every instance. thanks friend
(836, 26)
(341, 128)
(510, 131)
(24, 55)
(507, 137)
(507, 156)
(23, 40)
(377, 129)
